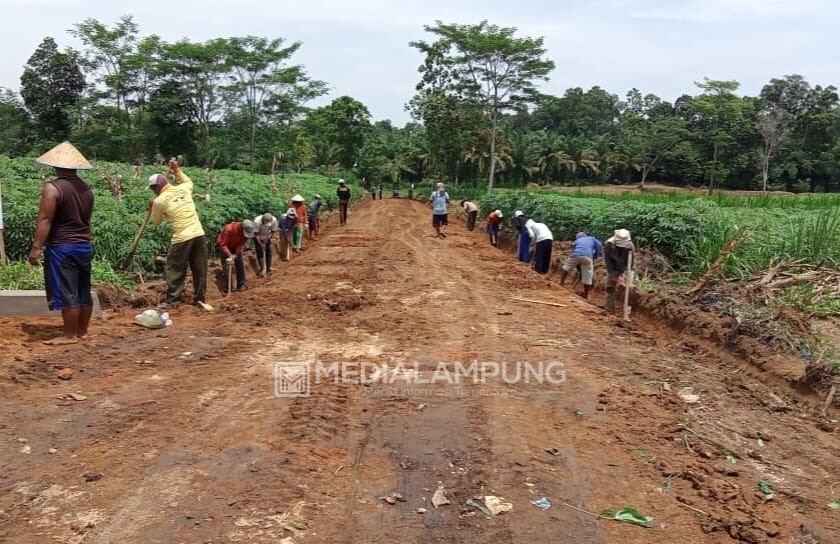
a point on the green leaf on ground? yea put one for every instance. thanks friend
(765, 488)
(835, 504)
(629, 515)
(578, 412)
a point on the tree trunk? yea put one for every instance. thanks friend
(253, 144)
(765, 168)
(714, 168)
(644, 176)
(492, 153)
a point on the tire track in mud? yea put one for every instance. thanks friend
(449, 439)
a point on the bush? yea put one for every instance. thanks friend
(23, 276)
(691, 232)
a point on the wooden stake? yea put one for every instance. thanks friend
(539, 302)
(126, 264)
(628, 284)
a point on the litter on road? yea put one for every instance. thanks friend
(542, 503)
(497, 505)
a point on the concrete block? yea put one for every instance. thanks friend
(33, 304)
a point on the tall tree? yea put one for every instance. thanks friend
(51, 84)
(263, 84)
(198, 71)
(486, 64)
(453, 126)
(110, 53)
(772, 124)
(716, 112)
(345, 123)
(646, 141)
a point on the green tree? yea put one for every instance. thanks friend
(344, 122)
(52, 83)
(263, 85)
(646, 141)
(196, 71)
(15, 125)
(578, 113)
(485, 64)
(110, 54)
(452, 127)
(716, 112)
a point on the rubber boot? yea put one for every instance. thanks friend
(563, 275)
(586, 289)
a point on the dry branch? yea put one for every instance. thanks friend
(538, 302)
(772, 273)
(830, 398)
(733, 244)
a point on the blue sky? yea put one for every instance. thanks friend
(360, 47)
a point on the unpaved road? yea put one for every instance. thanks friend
(190, 445)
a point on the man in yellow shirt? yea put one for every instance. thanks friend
(175, 203)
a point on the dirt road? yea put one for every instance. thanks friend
(184, 441)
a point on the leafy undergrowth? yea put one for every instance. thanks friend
(23, 276)
(691, 232)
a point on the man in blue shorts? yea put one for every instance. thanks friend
(440, 217)
(63, 232)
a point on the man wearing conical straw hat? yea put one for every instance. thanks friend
(62, 232)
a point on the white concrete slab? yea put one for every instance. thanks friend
(33, 303)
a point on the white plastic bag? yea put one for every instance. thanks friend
(153, 319)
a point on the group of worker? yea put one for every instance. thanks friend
(535, 242)
(63, 234)
(174, 202)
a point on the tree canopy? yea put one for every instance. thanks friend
(479, 115)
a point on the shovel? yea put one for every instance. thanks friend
(126, 263)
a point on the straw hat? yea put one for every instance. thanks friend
(341, 182)
(291, 212)
(499, 214)
(297, 198)
(64, 155)
(518, 213)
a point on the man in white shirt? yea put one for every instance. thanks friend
(471, 209)
(543, 240)
(266, 227)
